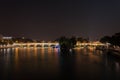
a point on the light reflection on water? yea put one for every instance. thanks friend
(48, 63)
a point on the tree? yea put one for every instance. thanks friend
(66, 43)
(73, 41)
(105, 39)
(80, 39)
(116, 39)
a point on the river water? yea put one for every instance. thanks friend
(50, 64)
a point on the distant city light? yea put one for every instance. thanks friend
(7, 37)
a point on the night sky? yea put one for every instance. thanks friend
(50, 19)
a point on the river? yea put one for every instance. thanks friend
(50, 64)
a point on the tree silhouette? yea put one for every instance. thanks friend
(114, 40)
(105, 39)
(66, 43)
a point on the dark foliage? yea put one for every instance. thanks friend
(105, 39)
(114, 40)
(66, 43)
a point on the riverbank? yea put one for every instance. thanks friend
(114, 52)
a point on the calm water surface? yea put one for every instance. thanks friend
(50, 64)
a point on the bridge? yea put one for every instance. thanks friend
(51, 44)
(94, 44)
(54, 44)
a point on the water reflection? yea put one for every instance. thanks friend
(49, 63)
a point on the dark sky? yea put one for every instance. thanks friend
(50, 19)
